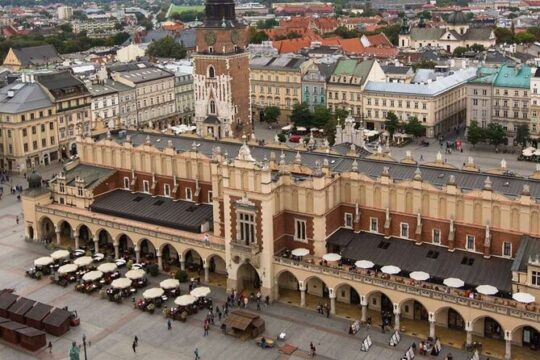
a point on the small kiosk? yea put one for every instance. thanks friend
(35, 316)
(57, 322)
(31, 339)
(244, 325)
(6, 300)
(19, 309)
(9, 331)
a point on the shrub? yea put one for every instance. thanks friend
(282, 138)
(150, 308)
(39, 275)
(181, 276)
(129, 264)
(153, 269)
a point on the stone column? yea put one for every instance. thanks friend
(206, 268)
(302, 295)
(58, 235)
(76, 237)
(137, 254)
(332, 297)
(182, 264)
(431, 320)
(159, 260)
(364, 306)
(468, 331)
(508, 348)
(396, 317)
(116, 250)
(96, 244)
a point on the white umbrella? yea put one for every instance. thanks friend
(522, 297)
(79, 252)
(300, 252)
(60, 254)
(169, 284)
(107, 267)
(83, 261)
(453, 282)
(200, 291)
(390, 269)
(92, 275)
(287, 127)
(120, 262)
(419, 275)
(68, 268)
(99, 256)
(313, 129)
(153, 293)
(487, 289)
(527, 152)
(331, 257)
(135, 274)
(364, 264)
(43, 261)
(122, 283)
(301, 128)
(185, 300)
(137, 266)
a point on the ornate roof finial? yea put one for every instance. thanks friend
(354, 165)
(503, 164)
(147, 141)
(128, 138)
(417, 174)
(170, 144)
(298, 158)
(244, 153)
(386, 171)
(439, 157)
(326, 163)
(194, 146)
(272, 156)
(282, 158)
(526, 191)
(470, 160)
(452, 180)
(487, 183)
(109, 137)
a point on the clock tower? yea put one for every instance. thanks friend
(221, 73)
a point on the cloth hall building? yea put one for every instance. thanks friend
(237, 210)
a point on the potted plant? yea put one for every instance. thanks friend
(38, 275)
(182, 276)
(153, 269)
(150, 308)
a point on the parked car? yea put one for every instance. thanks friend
(295, 138)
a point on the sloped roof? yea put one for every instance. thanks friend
(529, 247)
(27, 97)
(426, 33)
(480, 34)
(353, 67)
(92, 175)
(518, 76)
(37, 55)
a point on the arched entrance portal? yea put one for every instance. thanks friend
(317, 293)
(126, 248)
(414, 318)
(288, 288)
(147, 250)
(217, 271)
(30, 232)
(85, 238)
(247, 278)
(194, 261)
(170, 258)
(348, 302)
(105, 242)
(379, 306)
(66, 233)
(527, 337)
(47, 230)
(450, 326)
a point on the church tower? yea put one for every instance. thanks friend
(221, 73)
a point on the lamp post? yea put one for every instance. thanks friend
(84, 346)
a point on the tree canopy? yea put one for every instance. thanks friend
(392, 123)
(475, 133)
(257, 37)
(271, 114)
(166, 48)
(522, 134)
(414, 127)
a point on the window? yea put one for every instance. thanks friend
(126, 183)
(348, 220)
(535, 278)
(34, 145)
(25, 147)
(61, 187)
(79, 190)
(470, 243)
(507, 249)
(246, 224)
(210, 197)
(374, 224)
(404, 230)
(166, 189)
(43, 142)
(146, 186)
(189, 194)
(24, 132)
(211, 72)
(33, 130)
(436, 236)
(212, 107)
(300, 230)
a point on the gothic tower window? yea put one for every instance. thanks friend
(211, 72)
(212, 107)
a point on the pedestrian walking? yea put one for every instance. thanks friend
(17, 220)
(50, 347)
(312, 349)
(246, 301)
(327, 311)
(136, 340)
(258, 304)
(134, 347)
(169, 325)
(196, 353)
(206, 328)
(267, 300)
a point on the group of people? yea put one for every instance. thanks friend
(242, 301)
(324, 309)
(386, 320)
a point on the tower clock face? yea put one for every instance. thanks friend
(235, 37)
(210, 38)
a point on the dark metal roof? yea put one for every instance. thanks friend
(38, 312)
(529, 247)
(409, 257)
(37, 55)
(92, 175)
(157, 210)
(212, 119)
(510, 186)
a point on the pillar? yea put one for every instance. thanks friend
(468, 331)
(332, 297)
(182, 264)
(96, 244)
(364, 306)
(58, 235)
(508, 343)
(137, 254)
(302, 294)
(159, 260)
(431, 319)
(206, 268)
(76, 237)
(396, 317)
(116, 251)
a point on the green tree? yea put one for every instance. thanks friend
(257, 37)
(330, 130)
(321, 116)
(496, 134)
(271, 114)
(524, 37)
(166, 48)
(414, 127)
(188, 16)
(392, 33)
(477, 48)
(504, 35)
(346, 33)
(67, 28)
(424, 64)
(267, 24)
(460, 51)
(301, 116)
(522, 134)
(475, 133)
(426, 14)
(392, 123)
(341, 114)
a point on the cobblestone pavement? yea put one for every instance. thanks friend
(110, 327)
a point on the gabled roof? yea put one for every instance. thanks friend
(26, 97)
(518, 76)
(356, 68)
(37, 55)
(529, 247)
(427, 33)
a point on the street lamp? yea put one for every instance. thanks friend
(84, 346)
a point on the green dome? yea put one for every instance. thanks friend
(457, 18)
(34, 180)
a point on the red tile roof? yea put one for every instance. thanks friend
(379, 40)
(294, 45)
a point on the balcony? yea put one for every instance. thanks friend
(442, 293)
(244, 249)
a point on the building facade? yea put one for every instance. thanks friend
(185, 101)
(432, 217)
(72, 101)
(105, 106)
(534, 127)
(346, 85)
(154, 92)
(221, 74)
(500, 95)
(314, 84)
(439, 105)
(64, 12)
(277, 81)
(28, 127)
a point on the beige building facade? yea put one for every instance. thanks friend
(469, 221)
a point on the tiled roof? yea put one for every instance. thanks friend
(518, 76)
(378, 40)
(354, 67)
(427, 33)
(27, 97)
(37, 55)
(294, 45)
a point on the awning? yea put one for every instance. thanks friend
(201, 291)
(453, 282)
(487, 289)
(300, 252)
(419, 275)
(390, 269)
(331, 257)
(522, 297)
